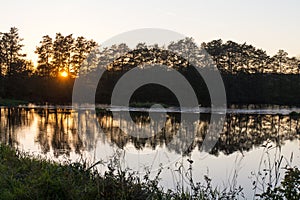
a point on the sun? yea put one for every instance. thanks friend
(64, 74)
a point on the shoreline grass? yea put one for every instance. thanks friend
(12, 102)
(27, 177)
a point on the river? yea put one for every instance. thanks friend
(250, 140)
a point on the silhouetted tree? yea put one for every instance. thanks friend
(65, 53)
(260, 60)
(215, 50)
(45, 55)
(60, 56)
(11, 56)
(280, 61)
(1, 54)
(68, 47)
(187, 50)
(232, 52)
(81, 49)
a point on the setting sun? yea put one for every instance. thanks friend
(64, 74)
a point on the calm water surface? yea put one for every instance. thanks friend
(61, 133)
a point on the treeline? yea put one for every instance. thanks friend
(66, 54)
(231, 57)
(249, 74)
(61, 54)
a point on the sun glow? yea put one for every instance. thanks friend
(64, 74)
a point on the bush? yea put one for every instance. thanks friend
(289, 189)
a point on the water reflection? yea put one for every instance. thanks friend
(10, 120)
(57, 128)
(63, 131)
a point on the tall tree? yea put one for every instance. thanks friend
(215, 50)
(45, 56)
(11, 51)
(1, 54)
(62, 51)
(186, 49)
(260, 61)
(58, 61)
(82, 47)
(232, 56)
(68, 47)
(292, 64)
(280, 61)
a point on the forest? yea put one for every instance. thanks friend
(250, 75)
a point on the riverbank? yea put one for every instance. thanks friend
(12, 102)
(27, 177)
(241, 89)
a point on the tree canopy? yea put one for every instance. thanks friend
(68, 54)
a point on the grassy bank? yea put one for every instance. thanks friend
(12, 102)
(26, 177)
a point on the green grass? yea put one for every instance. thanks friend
(23, 176)
(27, 177)
(12, 102)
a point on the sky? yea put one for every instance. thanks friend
(267, 24)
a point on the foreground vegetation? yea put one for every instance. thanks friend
(26, 177)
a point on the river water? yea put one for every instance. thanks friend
(250, 140)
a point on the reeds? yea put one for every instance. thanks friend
(27, 177)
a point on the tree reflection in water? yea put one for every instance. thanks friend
(65, 131)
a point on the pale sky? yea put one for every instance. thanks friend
(267, 24)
